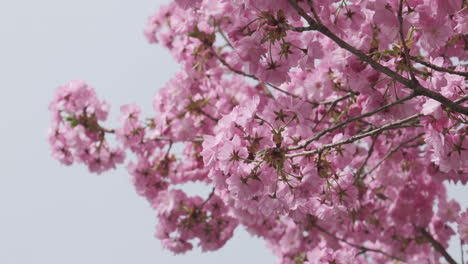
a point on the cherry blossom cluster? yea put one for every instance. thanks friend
(328, 128)
(182, 218)
(75, 133)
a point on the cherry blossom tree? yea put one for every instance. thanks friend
(327, 128)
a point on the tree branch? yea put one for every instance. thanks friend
(437, 246)
(462, 252)
(394, 125)
(391, 152)
(438, 68)
(334, 101)
(208, 198)
(342, 124)
(403, 41)
(369, 154)
(161, 138)
(312, 9)
(253, 77)
(362, 248)
(416, 87)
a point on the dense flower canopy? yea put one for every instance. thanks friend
(327, 128)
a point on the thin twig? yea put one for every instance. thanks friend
(369, 154)
(462, 99)
(391, 152)
(403, 41)
(312, 9)
(224, 37)
(208, 198)
(331, 108)
(227, 65)
(436, 245)
(415, 86)
(461, 252)
(200, 111)
(438, 68)
(394, 125)
(334, 101)
(253, 77)
(287, 93)
(342, 124)
(360, 247)
(169, 149)
(171, 140)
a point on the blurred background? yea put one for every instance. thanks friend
(54, 214)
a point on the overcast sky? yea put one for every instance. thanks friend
(54, 214)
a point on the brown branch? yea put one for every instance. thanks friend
(438, 68)
(169, 149)
(416, 87)
(312, 9)
(436, 245)
(331, 108)
(200, 111)
(253, 77)
(304, 15)
(227, 65)
(199, 139)
(462, 99)
(287, 93)
(208, 198)
(369, 154)
(334, 101)
(220, 31)
(462, 252)
(391, 152)
(360, 247)
(394, 125)
(342, 124)
(403, 41)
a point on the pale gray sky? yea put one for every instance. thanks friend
(53, 214)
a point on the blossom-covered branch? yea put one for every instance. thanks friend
(327, 128)
(415, 86)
